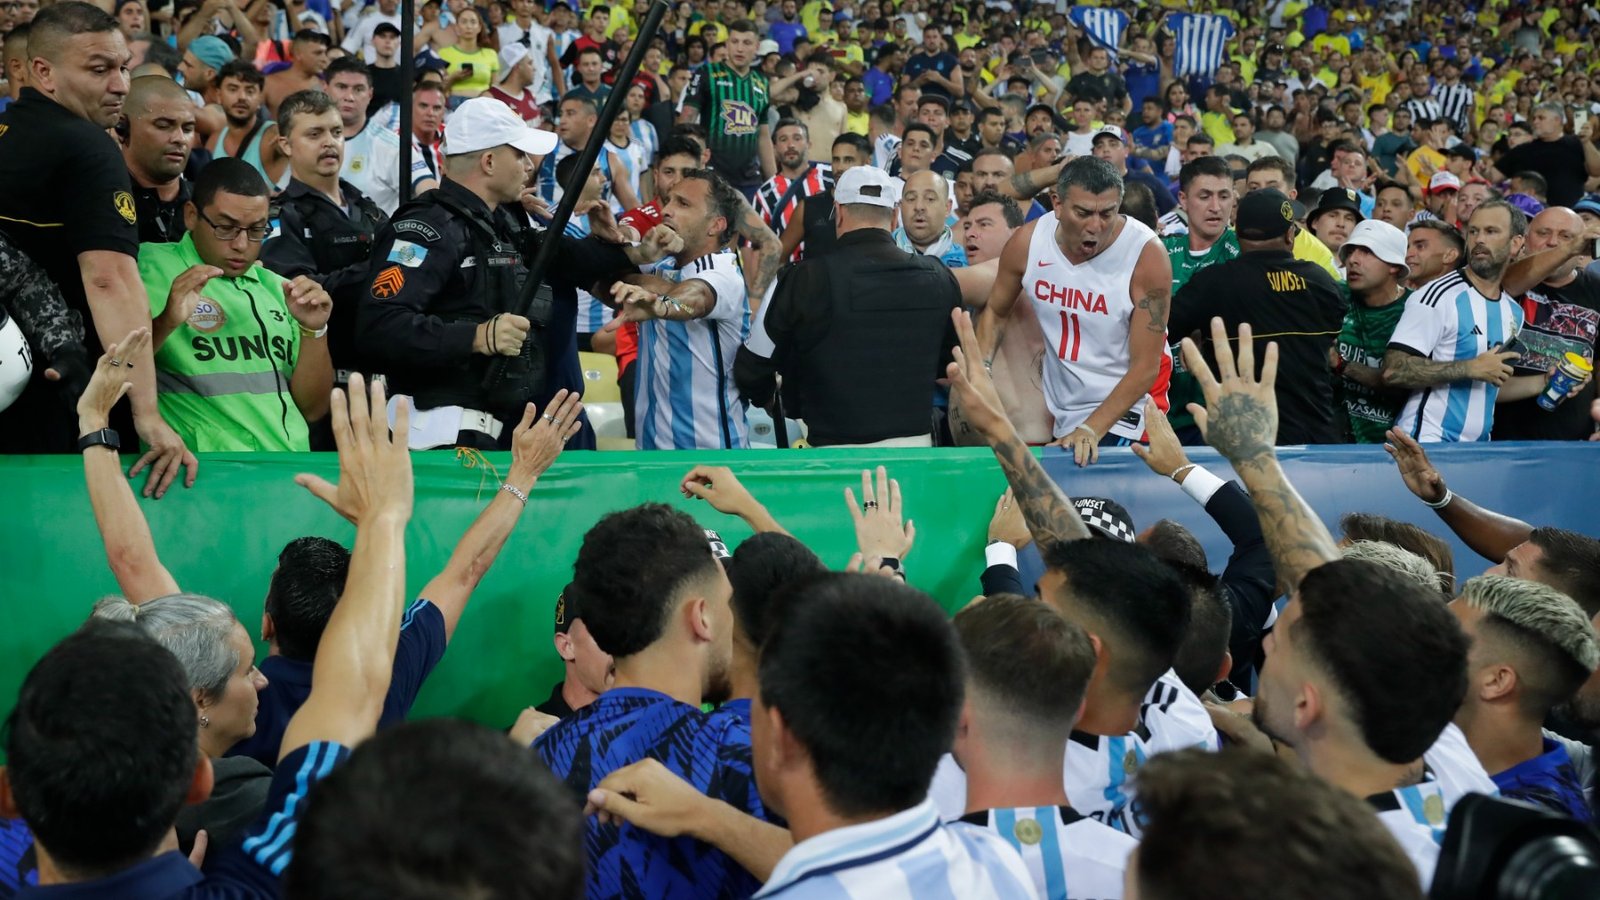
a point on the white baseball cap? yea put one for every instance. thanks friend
(510, 56)
(1385, 241)
(866, 184)
(484, 123)
(1443, 181)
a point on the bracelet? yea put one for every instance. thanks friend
(1182, 469)
(516, 492)
(494, 350)
(672, 303)
(317, 335)
(1444, 501)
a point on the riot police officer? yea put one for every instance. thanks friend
(445, 276)
(322, 226)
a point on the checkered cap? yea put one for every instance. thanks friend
(718, 548)
(1106, 518)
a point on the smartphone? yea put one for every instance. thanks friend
(466, 67)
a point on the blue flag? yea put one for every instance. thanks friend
(1202, 42)
(1104, 26)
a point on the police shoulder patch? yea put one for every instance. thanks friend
(123, 201)
(388, 283)
(422, 230)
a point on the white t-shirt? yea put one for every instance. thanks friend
(371, 163)
(1447, 320)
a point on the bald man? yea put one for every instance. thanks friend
(157, 134)
(925, 219)
(1562, 316)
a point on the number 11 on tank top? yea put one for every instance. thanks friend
(1069, 326)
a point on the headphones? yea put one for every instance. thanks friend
(121, 128)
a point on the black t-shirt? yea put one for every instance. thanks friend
(66, 191)
(1558, 321)
(160, 221)
(1559, 161)
(388, 86)
(1292, 302)
(1107, 86)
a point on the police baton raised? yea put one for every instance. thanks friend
(507, 373)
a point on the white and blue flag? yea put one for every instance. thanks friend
(1103, 26)
(1202, 42)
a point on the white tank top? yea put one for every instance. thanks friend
(1084, 313)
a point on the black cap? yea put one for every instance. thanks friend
(1337, 198)
(386, 28)
(1106, 518)
(566, 609)
(1265, 214)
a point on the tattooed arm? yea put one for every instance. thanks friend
(1240, 420)
(1045, 507)
(1408, 370)
(768, 252)
(1151, 289)
(1024, 185)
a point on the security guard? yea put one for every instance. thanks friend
(1290, 301)
(322, 226)
(444, 275)
(860, 335)
(157, 134)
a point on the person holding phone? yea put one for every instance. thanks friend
(474, 59)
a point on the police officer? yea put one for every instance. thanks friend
(322, 225)
(859, 335)
(68, 204)
(157, 134)
(446, 273)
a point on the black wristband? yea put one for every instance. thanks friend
(105, 437)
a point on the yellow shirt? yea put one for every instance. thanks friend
(1219, 126)
(964, 40)
(484, 63)
(857, 123)
(1414, 162)
(1377, 87)
(1247, 68)
(713, 31)
(823, 37)
(1308, 248)
(1338, 42)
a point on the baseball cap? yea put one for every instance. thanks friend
(1265, 214)
(510, 56)
(386, 28)
(866, 184)
(427, 59)
(1109, 131)
(1107, 518)
(1443, 181)
(566, 608)
(484, 123)
(213, 51)
(718, 548)
(1386, 242)
(767, 46)
(1338, 198)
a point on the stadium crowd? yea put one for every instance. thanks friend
(1264, 224)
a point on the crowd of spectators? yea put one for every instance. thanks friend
(862, 223)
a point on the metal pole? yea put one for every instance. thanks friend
(408, 66)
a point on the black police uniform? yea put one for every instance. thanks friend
(161, 221)
(859, 337)
(447, 263)
(311, 235)
(65, 192)
(821, 228)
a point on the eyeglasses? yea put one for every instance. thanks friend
(255, 234)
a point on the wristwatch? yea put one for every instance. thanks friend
(105, 437)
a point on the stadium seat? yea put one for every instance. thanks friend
(599, 380)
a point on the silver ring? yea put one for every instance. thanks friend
(116, 362)
(870, 504)
(555, 421)
(548, 418)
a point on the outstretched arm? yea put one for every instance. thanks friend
(355, 659)
(1489, 534)
(1240, 419)
(1046, 508)
(125, 534)
(1002, 295)
(718, 486)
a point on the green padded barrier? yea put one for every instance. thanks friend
(222, 539)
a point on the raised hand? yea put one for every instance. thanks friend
(1416, 470)
(879, 532)
(310, 305)
(636, 304)
(184, 295)
(538, 440)
(718, 486)
(1240, 416)
(647, 795)
(1007, 523)
(1163, 454)
(109, 382)
(374, 463)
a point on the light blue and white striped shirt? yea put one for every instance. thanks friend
(1416, 815)
(686, 396)
(592, 314)
(908, 855)
(1447, 320)
(1069, 856)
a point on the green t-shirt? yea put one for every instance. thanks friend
(733, 108)
(1184, 388)
(223, 376)
(1369, 412)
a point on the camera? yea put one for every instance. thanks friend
(1496, 849)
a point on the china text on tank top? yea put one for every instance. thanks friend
(1084, 311)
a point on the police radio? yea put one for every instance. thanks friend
(508, 376)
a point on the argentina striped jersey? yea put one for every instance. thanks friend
(1069, 856)
(686, 396)
(1449, 320)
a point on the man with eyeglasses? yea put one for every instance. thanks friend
(241, 353)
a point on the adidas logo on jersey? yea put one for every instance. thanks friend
(1476, 331)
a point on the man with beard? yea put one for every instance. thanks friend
(1447, 348)
(798, 177)
(1344, 617)
(247, 136)
(157, 133)
(656, 598)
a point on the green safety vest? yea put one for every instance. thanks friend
(223, 376)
